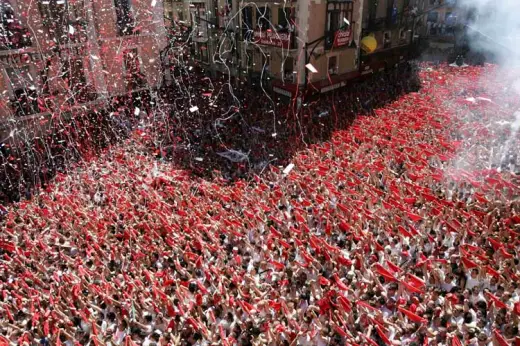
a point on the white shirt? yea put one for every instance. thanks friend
(470, 282)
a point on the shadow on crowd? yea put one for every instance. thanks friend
(235, 133)
(264, 131)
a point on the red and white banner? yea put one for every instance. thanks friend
(342, 38)
(273, 38)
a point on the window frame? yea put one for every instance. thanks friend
(335, 67)
(125, 21)
(344, 9)
(265, 18)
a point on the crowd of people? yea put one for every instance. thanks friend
(31, 154)
(229, 117)
(260, 125)
(401, 229)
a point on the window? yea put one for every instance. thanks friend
(12, 34)
(288, 67)
(333, 65)
(247, 23)
(387, 39)
(53, 14)
(125, 20)
(180, 15)
(64, 20)
(132, 67)
(284, 17)
(263, 17)
(402, 36)
(266, 60)
(433, 16)
(337, 12)
(393, 12)
(204, 56)
(73, 73)
(24, 94)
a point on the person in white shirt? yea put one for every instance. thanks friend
(473, 279)
(448, 283)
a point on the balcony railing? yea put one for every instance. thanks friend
(388, 22)
(15, 37)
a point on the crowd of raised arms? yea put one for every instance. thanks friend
(403, 228)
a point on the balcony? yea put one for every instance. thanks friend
(386, 23)
(15, 37)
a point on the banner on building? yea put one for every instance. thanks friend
(342, 38)
(273, 38)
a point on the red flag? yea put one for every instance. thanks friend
(455, 341)
(498, 303)
(500, 338)
(505, 253)
(404, 232)
(369, 340)
(393, 267)
(277, 265)
(340, 331)
(469, 264)
(323, 281)
(516, 308)
(345, 303)
(383, 336)
(495, 244)
(344, 261)
(412, 317)
(7, 246)
(366, 306)
(492, 271)
(410, 288)
(345, 227)
(414, 217)
(5, 342)
(339, 283)
(415, 281)
(384, 273)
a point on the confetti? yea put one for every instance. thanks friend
(311, 68)
(288, 169)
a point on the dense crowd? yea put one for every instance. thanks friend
(230, 116)
(401, 229)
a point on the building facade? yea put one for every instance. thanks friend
(278, 41)
(314, 46)
(390, 24)
(61, 55)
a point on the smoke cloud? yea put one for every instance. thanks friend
(493, 27)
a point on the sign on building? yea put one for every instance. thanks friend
(342, 38)
(272, 38)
